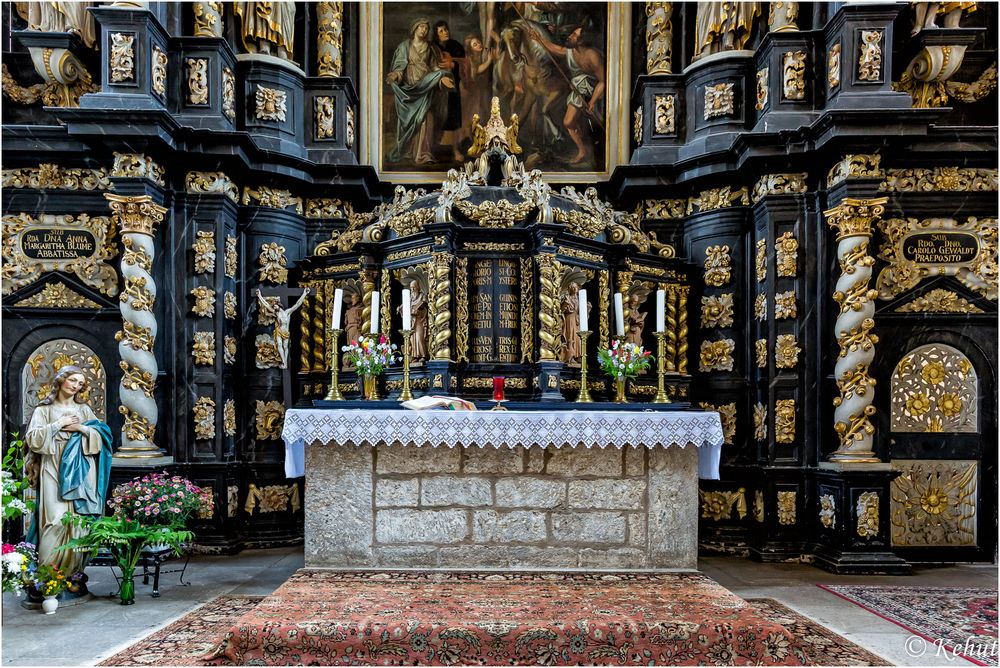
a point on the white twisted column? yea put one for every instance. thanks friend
(853, 220)
(137, 218)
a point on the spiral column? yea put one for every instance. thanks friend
(137, 217)
(853, 219)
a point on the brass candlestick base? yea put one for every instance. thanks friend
(661, 346)
(584, 396)
(406, 394)
(499, 405)
(334, 393)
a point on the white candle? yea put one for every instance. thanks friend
(375, 297)
(619, 315)
(406, 309)
(583, 309)
(338, 304)
(661, 298)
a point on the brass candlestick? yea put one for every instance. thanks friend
(406, 395)
(334, 393)
(661, 347)
(584, 396)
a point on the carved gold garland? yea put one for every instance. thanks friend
(785, 305)
(867, 514)
(231, 258)
(861, 166)
(937, 179)
(719, 505)
(137, 166)
(274, 198)
(20, 270)
(663, 114)
(501, 214)
(664, 208)
(273, 262)
(784, 421)
(979, 274)
(325, 207)
(204, 418)
(718, 266)
(273, 498)
(202, 183)
(57, 295)
(786, 507)
(204, 301)
(203, 348)
(787, 255)
(779, 184)
(718, 198)
(939, 301)
(48, 175)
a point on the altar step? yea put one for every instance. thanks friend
(330, 617)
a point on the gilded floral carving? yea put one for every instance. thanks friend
(48, 175)
(718, 198)
(267, 352)
(229, 305)
(719, 505)
(761, 261)
(784, 305)
(197, 69)
(228, 93)
(57, 295)
(938, 179)
(760, 422)
(231, 257)
(786, 507)
(159, 72)
(122, 57)
(272, 262)
(786, 352)
(637, 126)
(203, 348)
(760, 307)
(762, 89)
(779, 184)
(204, 301)
(833, 66)
(727, 413)
(784, 421)
(229, 418)
(204, 418)
(867, 512)
(663, 114)
(719, 100)
(870, 56)
(718, 266)
(934, 388)
(717, 355)
(229, 350)
(760, 347)
(270, 419)
(204, 252)
(271, 104)
(793, 66)
(787, 251)
(934, 502)
(717, 311)
(323, 113)
(828, 511)
(939, 301)
(211, 182)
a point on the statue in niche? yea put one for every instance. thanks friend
(418, 309)
(267, 26)
(723, 26)
(571, 325)
(635, 319)
(927, 12)
(68, 464)
(782, 16)
(60, 17)
(282, 320)
(352, 322)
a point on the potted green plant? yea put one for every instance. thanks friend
(49, 581)
(124, 538)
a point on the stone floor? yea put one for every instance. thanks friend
(85, 634)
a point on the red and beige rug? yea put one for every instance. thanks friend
(952, 620)
(186, 640)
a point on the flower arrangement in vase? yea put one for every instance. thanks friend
(370, 358)
(159, 499)
(19, 565)
(623, 360)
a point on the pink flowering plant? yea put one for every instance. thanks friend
(624, 359)
(371, 357)
(159, 499)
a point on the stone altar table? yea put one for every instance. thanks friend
(500, 490)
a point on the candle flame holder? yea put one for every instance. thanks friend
(334, 393)
(661, 346)
(406, 394)
(584, 396)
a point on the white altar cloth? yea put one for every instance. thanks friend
(547, 429)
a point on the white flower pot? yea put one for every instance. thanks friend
(50, 604)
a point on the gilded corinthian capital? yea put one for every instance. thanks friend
(136, 214)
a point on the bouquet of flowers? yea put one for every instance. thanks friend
(624, 360)
(160, 500)
(14, 485)
(19, 565)
(49, 580)
(371, 357)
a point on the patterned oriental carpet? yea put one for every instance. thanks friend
(416, 618)
(185, 641)
(952, 620)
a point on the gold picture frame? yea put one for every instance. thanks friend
(373, 145)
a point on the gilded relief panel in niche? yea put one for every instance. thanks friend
(43, 365)
(933, 503)
(935, 389)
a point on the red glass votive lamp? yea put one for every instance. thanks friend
(498, 388)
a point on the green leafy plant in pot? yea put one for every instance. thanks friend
(124, 538)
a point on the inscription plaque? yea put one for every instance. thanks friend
(496, 305)
(937, 248)
(58, 244)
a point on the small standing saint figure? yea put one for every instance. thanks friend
(571, 325)
(352, 324)
(267, 25)
(418, 315)
(723, 26)
(634, 321)
(282, 320)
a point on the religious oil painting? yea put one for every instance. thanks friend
(439, 64)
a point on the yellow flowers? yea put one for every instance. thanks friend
(918, 404)
(950, 404)
(933, 373)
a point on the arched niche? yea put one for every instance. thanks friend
(934, 388)
(44, 363)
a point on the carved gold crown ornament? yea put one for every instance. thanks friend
(496, 133)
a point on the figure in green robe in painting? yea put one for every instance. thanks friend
(419, 82)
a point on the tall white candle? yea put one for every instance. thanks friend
(406, 309)
(338, 305)
(375, 297)
(583, 309)
(661, 298)
(619, 315)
